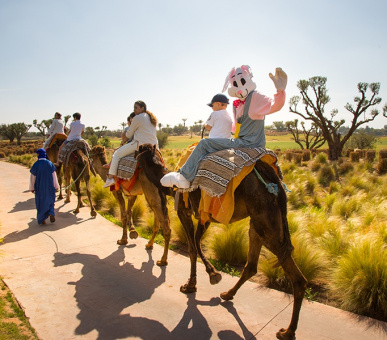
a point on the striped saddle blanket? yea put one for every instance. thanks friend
(217, 169)
(126, 167)
(69, 147)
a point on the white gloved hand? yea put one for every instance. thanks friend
(280, 79)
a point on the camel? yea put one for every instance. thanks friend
(156, 200)
(53, 156)
(268, 227)
(78, 168)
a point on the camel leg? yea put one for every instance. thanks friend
(124, 218)
(59, 175)
(167, 236)
(299, 284)
(133, 234)
(67, 177)
(215, 276)
(86, 178)
(250, 268)
(78, 188)
(155, 230)
(184, 215)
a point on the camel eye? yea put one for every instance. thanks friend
(235, 84)
(243, 81)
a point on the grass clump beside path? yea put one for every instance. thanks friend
(13, 323)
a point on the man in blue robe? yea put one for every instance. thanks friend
(43, 182)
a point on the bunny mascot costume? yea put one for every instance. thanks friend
(249, 111)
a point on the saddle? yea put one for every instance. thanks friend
(71, 146)
(58, 138)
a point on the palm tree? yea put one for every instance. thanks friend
(184, 120)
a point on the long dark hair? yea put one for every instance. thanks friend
(152, 117)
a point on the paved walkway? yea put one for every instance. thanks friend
(74, 281)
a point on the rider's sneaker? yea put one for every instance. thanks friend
(109, 182)
(175, 179)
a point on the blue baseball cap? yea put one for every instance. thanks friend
(219, 98)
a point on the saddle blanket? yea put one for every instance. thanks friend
(69, 147)
(126, 167)
(217, 169)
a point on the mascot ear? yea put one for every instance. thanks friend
(228, 79)
(247, 69)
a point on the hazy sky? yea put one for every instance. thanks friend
(98, 57)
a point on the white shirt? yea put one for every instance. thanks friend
(76, 128)
(56, 126)
(221, 123)
(142, 130)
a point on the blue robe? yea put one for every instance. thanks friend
(44, 188)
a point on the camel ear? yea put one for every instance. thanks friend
(154, 149)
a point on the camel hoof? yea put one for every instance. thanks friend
(149, 246)
(133, 234)
(283, 334)
(215, 278)
(76, 211)
(67, 201)
(122, 242)
(188, 289)
(226, 296)
(161, 263)
(93, 213)
(60, 197)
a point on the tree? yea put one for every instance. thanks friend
(159, 125)
(184, 120)
(314, 111)
(20, 130)
(123, 124)
(43, 125)
(312, 138)
(7, 132)
(279, 126)
(99, 131)
(362, 140)
(89, 131)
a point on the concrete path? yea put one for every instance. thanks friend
(74, 281)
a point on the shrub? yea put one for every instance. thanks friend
(354, 156)
(93, 140)
(326, 175)
(306, 155)
(321, 157)
(105, 141)
(382, 154)
(370, 155)
(230, 244)
(2, 155)
(344, 168)
(297, 157)
(382, 166)
(162, 137)
(360, 280)
(289, 156)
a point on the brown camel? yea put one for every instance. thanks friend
(78, 168)
(53, 156)
(156, 201)
(268, 227)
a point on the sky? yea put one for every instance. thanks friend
(98, 57)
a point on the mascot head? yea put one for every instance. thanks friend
(240, 82)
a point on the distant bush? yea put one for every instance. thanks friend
(93, 140)
(162, 138)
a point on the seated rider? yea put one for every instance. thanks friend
(75, 133)
(249, 112)
(142, 130)
(57, 126)
(220, 122)
(124, 139)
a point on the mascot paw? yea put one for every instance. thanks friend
(280, 79)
